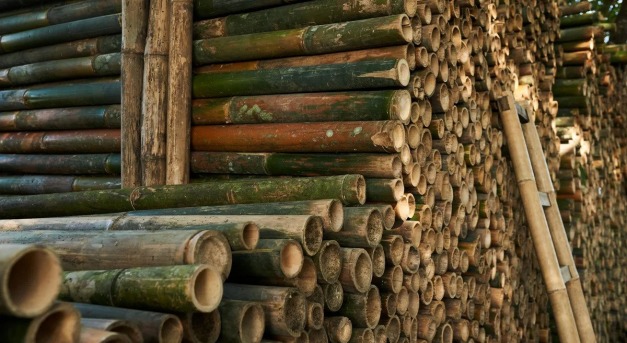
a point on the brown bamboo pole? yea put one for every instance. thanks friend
(91, 335)
(199, 327)
(61, 323)
(134, 26)
(242, 321)
(154, 95)
(157, 327)
(28, 294)
(543, 243)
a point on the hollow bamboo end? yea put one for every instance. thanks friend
(211, 248)
(360, 189)
(330, 261)
(410, 7)
(207, 289)
(128, 329)
(291, 259)
(315, 315)
(200, 326)
(403, 73)
(400, 106)
(378, 261)
(31, 282)
(61, 324)
(374, 227)
(252, 324)
(396, 250)
(410, 56)
(397, 134)
(312, 240)
(397, 279)
(397, 166)
(362, 271)
(407, 30)
(307, 279)
(334, 296)
(336, 215)
(430, 83)
(171, 330)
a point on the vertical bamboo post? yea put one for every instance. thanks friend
(134, 22)
(179, 93)
(556, 227)
(538, 227)
(154, 105)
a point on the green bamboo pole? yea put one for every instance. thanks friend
(57, 14)
(134, 32)
(213, 8)
(619, 57)
(580, 19)
(330, 210)
(301, 15)
(78, 93)
(28, 294)
(60, 164)
(377, 136)
(41, 184)
(311, 40)
(61, 323)
(68, 118)
(129, 249)
(346, 76)
(154, 326)
(579, 7)
(65, 32)
(74, 49)
(183, 288)
(313, 107)
(89, 141)
(350, 189)
(369, 165)
(571, 72)
(284, 307)
(570, 87)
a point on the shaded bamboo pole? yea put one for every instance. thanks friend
(60, 323)
(127, 328)
(179, 95)
(154, 95)
(543, 244)
(154, 326)
(134, 27)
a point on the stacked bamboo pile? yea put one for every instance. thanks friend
(591, 98)
(60, 91)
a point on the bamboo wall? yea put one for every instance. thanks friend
(388, 107)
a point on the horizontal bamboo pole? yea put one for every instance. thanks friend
(28, 294)
(294, 108)
(368, 165)
(124, 327)
(78, 93)
(312, 40)
(176, 288)
(364, 310)
(348, 76)
(58, 13)
(65, 32)
(60, 164)
(213, 8)
(88, 141)
(91, 117)
(128, 249)
(91, 335)
(379, 136)
(350, 189)
(154, 326)
(362, 228)
(300, 15)
(61, 323)
(74, 49)
(74, 68)
(272, 259)
(284, 308)
(42, 184)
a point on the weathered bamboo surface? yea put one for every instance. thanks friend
(424, 239)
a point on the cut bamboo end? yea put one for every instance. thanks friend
(60, 324)
(201, 327)
(212, 248)
(377, 255)
(333, 296)
(329, 262)
(403, 73)
(315, 315)
(388, 215)
(402, 301)
(207, 289)
(312, 235)
(407, 30)
(252, 323)
(91, 335)
(30, 279)
(291, 259)
(124, 327)
(393, 247)
(307, 279)
(336, 212)
(339, 329)
(400, 106)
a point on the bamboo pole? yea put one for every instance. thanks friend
(350, 189)
(190, 288)
(242, 321)
(60, 323)
(32, 294)
(179, 91)
(134, 31)
(124, 327)
(91, 335)
(157, 327)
